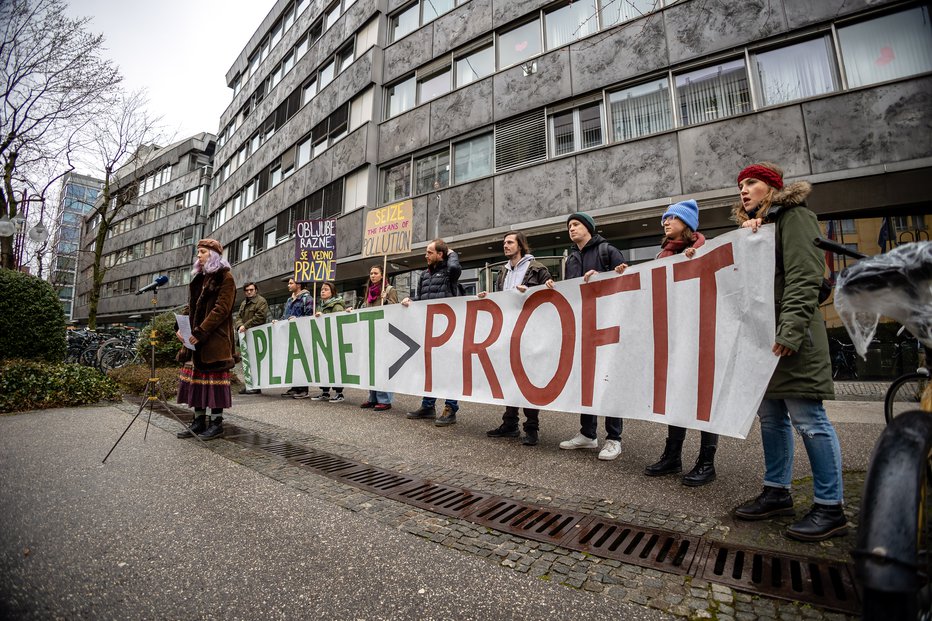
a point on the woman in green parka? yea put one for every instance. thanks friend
(330, 302)
(803, 377)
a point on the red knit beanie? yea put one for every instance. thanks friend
(762, 173)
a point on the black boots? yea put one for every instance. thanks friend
(198, 426)
(422, 412)
(503, 431)
(773, 501)
(822, 522)
(670, 462)
(214, 431)
(530, 437)
(704, 470)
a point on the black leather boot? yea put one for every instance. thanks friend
(198, 426)
(773, 501)
(670, 462)
(422, 413)
(214, 431)
(822, 522)
(530, 437)
(704, 470)
(503, 431)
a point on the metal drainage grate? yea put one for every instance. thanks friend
(819, 582)
(823, 583)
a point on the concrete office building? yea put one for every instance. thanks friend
(492, 115)
(167, 193)
(78, 195)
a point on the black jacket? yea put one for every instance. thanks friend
(591, 258)
(440, 280)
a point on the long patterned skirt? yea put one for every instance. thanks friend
(204, 389)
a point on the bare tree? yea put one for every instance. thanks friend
(52, 81)
(122, 142)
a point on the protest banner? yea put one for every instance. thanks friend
(679, 341)
(388, 230)
(315, 251)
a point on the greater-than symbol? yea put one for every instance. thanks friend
(412, 349)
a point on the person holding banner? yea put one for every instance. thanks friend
(591, 254)
(300, 304)
(803, 377)
(520, 272)
(330, 302)
(254, 311)
(204, 381)
(440, 280)
(378, 293)
(680, 235)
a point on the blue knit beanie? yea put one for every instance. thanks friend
(687, 211)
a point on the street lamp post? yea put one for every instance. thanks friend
(16, 226)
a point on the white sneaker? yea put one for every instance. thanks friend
(610, 451)
(579, 442)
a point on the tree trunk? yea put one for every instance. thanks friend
(7, 258)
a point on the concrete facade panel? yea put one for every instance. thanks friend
(627, 51)
(461, 210)
(537, 192)
(515, 92)
(404, 133)
(804, 12)
(628, 173)
(350, 153)
(407, 54)
(698, 27)
(349, 233)
(844, 131)
(503, 11)
(712, 155)
(419, 219)
(462, 25)
(462, 110)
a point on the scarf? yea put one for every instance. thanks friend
(671, 247)
(374, 292)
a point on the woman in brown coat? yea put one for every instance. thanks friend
(205, 382)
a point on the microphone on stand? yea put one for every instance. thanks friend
(158, 282)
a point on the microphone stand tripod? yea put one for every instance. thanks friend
(153, 391)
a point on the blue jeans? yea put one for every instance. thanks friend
(777, 419)
(377, 396)
(429, 402)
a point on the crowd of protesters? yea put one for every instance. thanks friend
(793, 397)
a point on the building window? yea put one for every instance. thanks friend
(713, 92)
(326, 74)
(401, 97)
(432, 172)
(396, 183)
(434, 86)
(435, 8)
(361, 109)
(518, 45)
(367, 37)
(332, 16)
(472, 158)
(475, 66)
(795, 72)
(404, 22)
(641, 110)
(521, 140)
(356, 190)
(576, 129)
(304, 153)
(310, 89)
(345, 58)
(617, 12)
(570, 22)
(888, 47)
(333, 199)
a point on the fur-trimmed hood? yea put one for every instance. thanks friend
(791, 195)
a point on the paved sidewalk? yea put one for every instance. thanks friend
(145, 505)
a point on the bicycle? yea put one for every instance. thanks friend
(844, 365)
(893, 558)
(908, 388)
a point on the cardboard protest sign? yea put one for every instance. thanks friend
(315, 250)
(388, 230)
(679, 341)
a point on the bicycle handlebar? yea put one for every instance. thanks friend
(830, 246)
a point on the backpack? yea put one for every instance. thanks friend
(456, 289)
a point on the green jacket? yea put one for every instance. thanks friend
(800, 266)
(252, 313)
(333, 305)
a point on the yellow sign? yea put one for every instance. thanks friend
(388, 230)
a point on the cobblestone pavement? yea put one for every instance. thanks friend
(860, 391)
(681, 596)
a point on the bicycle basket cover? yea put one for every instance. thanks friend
(897, 284)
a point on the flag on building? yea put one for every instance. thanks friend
(885, 233)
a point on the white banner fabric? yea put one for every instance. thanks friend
(678, 341)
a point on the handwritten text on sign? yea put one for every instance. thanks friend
(315, 250)
(388, 230)
(679, 341)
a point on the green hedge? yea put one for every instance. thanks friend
(32, 322)
(33, 385)
(166, 342)
(132, 379)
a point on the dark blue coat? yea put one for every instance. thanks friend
(438, 281)
(580, 262)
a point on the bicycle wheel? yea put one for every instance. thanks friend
(116, 357)
(904, 394)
